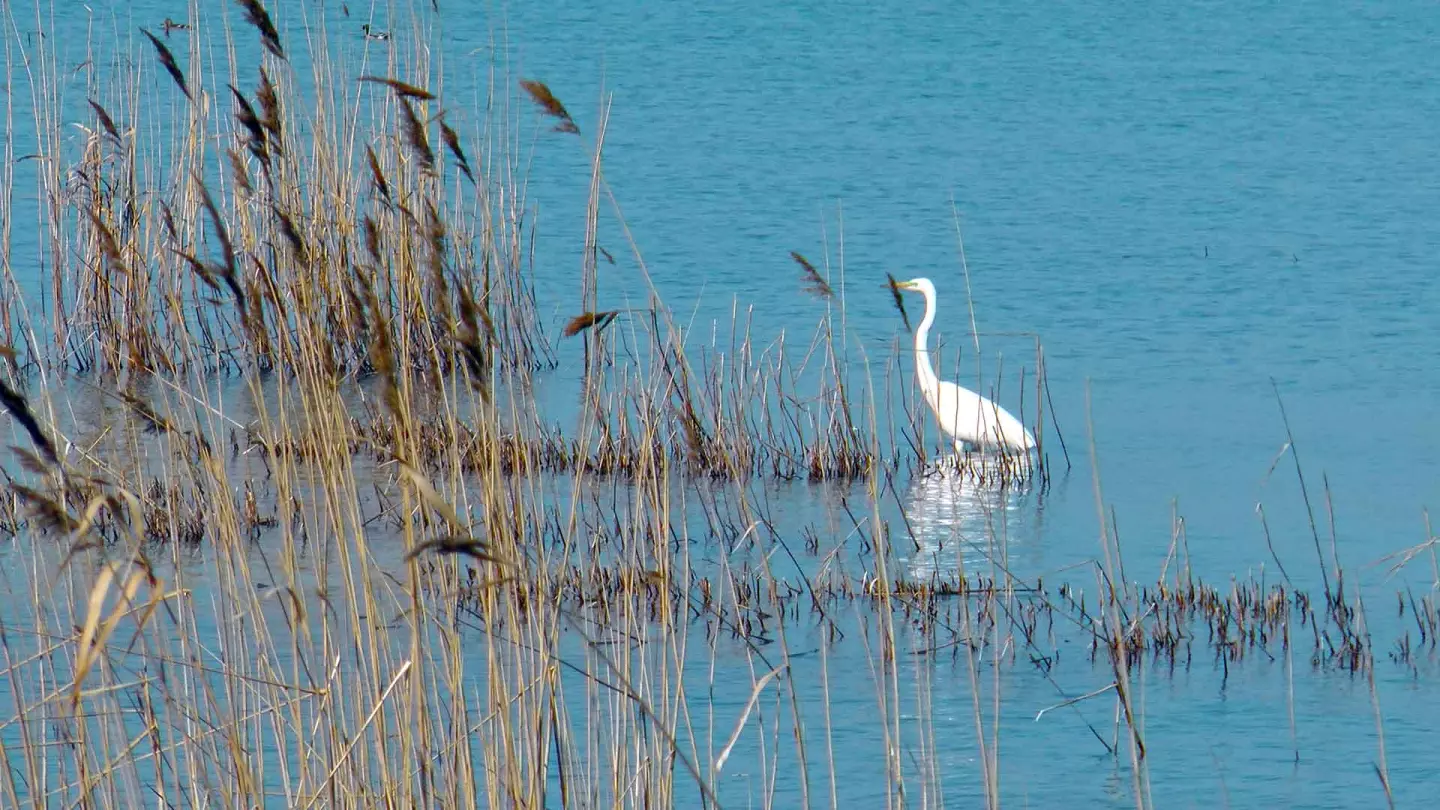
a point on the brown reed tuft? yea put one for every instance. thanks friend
(402, 89)
(248, 119)
(899, 301)
(372, 239)
(206, 273)
(474, 345)
(455, 544)
(550, 105)
(376, 175)
(106, 122)
(167, 217)
(257, 16)
(253, 317)
(29, 462)
(292, 235)
(227, 248)
(416, 137)
(230, 270)
(452, 141)
(109, 247)
(239, 172)
(440, 286)
(589, 320)
(167, 60)
(52, 515)
(154, 422)
(270, 110)
(382, 349)
(15, 402)
(814, 282)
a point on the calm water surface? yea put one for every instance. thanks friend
(1185, 204)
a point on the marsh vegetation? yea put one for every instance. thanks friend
(291, 523)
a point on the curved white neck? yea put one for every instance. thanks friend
(924, 371)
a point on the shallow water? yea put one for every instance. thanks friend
(1184, 204)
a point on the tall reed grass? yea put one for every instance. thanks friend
(319, 545)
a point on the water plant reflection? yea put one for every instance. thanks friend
(958, 519)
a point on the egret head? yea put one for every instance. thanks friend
(920, 285)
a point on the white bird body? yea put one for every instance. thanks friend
(967, 417)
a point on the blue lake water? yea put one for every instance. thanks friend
(1185, 204)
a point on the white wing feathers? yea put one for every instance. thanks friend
(970, 418)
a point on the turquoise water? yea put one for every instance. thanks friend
(1185, 204)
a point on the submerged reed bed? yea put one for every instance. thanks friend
(319, 545)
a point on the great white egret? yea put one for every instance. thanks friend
(964, 415)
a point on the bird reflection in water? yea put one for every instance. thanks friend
(959, 523)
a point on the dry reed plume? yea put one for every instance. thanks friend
(550, 105)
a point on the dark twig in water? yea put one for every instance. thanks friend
(1304, 491)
